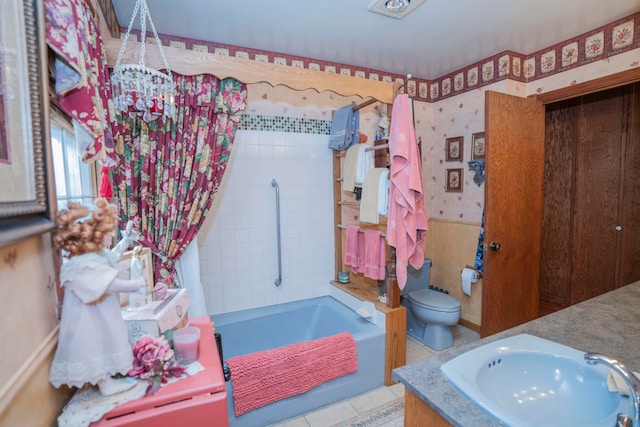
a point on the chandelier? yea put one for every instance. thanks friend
(138, 90)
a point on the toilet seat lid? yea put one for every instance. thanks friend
(435, 299)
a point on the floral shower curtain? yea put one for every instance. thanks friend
(81, 76)
(167, 173)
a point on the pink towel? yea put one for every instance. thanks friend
(360, 254)
(407, 218)
(374, 258)
(351, 246)
(267, 376)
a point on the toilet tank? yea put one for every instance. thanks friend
(418, 279)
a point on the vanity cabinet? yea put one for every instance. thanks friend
(591, 220)
(418, 414)
(597, 325)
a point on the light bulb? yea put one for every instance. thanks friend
(396, 5)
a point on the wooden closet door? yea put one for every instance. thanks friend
(555, 268)
(597, 162)
(630, 203)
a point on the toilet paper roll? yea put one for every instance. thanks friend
(468, 276)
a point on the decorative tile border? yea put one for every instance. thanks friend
(284, 124)
(594, 45)
(612, 39)
(601, 43)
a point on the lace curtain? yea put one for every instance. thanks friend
(167, 172)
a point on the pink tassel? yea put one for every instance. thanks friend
(105, 190)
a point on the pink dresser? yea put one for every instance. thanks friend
(197, 401)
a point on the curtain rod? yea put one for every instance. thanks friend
(364, 104)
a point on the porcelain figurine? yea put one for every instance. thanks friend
(93, 344)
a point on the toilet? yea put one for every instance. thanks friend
(430, 313)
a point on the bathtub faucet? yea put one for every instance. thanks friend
(633, 418)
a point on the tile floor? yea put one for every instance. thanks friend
(350, 408)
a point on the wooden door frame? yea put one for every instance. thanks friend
(591, 86)
(596, 85)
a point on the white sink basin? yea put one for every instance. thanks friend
(524, 380)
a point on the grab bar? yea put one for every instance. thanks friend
(275, 185)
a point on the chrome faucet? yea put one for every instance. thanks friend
(633, 418)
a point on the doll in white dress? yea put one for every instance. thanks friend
(93, 343)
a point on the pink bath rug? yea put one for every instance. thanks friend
(267, 376)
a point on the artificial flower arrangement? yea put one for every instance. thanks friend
(153, 362)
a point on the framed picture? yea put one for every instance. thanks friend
(454, 149)
(454, 180)
(477, 146)
(26, 206)
(124, 264)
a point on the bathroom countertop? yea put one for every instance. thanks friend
(608, 324)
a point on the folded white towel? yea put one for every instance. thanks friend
(615, 383)
(350, 166)
(365, 162)
(370, 202)
(383, 192)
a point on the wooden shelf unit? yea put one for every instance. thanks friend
(347, 212)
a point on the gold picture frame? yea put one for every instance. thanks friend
(27, 205)
(124, 264)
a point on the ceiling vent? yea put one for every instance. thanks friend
(397, 9)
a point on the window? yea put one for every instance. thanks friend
(75, 180)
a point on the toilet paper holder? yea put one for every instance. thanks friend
(473, 268)
(469, 275)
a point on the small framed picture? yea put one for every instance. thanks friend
(124, 264)
(477, 146)
(454, 180)
(454, 149)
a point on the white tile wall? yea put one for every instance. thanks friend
(237, 243)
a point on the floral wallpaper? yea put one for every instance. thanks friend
(456, 117)
(451, 106)
(600, 44)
